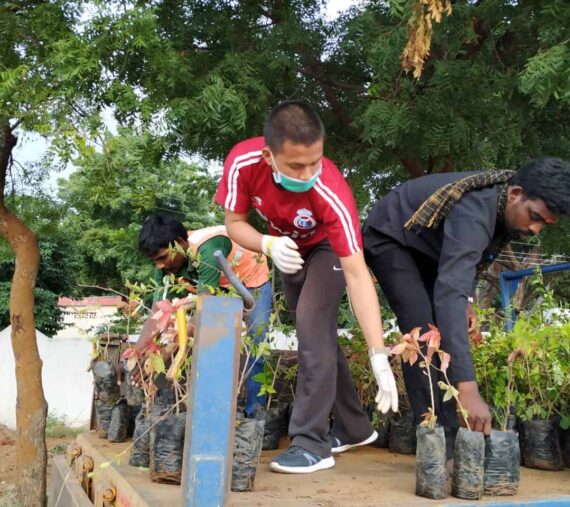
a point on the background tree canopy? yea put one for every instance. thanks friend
(185, 80)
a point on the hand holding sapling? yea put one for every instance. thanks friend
(479, 414)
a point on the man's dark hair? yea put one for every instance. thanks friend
(158, 231)
(548, 179)
(294, 121)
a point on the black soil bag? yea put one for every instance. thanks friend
(541, 445)
(133, 413)
(380, 423)
(119, 424)
(167, 447)
(105, 379)
(285, 407)
(141, 441)
(502, 463)
(403, 434)
(565, 447)
(247, 448)
(106, 394)
(103, 413)
(273, 418)
(431, 476)
(134, 394)
(468, 465)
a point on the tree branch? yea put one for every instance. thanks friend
(414, 167)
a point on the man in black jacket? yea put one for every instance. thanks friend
(427, 239)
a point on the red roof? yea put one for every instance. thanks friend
(92, 301)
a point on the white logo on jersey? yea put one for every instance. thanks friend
(256, 200)
(304, 219)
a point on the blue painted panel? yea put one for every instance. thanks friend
(212, 400)
(552, 502)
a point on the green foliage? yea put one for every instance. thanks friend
(48, 316)
(58, 427)
(112, 193)
(538, 352)
(60, 262)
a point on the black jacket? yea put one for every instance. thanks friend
(458, 244)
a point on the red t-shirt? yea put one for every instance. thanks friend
(326, 211)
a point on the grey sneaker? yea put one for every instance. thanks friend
(297, 460)
(338, 446)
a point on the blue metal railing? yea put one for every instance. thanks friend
(510, 280)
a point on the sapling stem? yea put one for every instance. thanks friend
(461, 409)
(427, 362)
(508, 395)
(273, 381)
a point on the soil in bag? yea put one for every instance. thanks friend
(468, 465)
(381, 423)
(141, 441)
(403, 434)
(119, 424)
(431, 476)
(133, 412)
(105, 379)
(285, 408)
(248, 441)
(541, 447)
(272, 430)
(502, 463)
(133, 394)
(287, 418)
(103, 413)
(565, 447)
(167, 447)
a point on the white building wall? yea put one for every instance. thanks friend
(66, 382)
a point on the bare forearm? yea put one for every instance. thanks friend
(243, 233)
(148, 332)
(364, 302)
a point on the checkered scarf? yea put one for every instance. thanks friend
(436, 207)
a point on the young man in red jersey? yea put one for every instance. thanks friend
(314, 240)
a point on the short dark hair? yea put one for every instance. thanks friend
(159, 231)
(548, 179)
(294, 121)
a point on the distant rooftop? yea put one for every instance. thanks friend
(92, 301)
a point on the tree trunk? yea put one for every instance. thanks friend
(31, 407)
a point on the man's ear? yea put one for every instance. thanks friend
(514, 192)
(266, 154)
(183, 243)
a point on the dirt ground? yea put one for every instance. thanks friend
(56, 445)
(361, 478)
(375, 477)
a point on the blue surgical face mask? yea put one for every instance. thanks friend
(294, 184)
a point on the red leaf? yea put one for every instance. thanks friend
(413, 358)
(153, 348)
(127, 354)
(398, 349)
(445, 358)
(432, 337)
(415, 333)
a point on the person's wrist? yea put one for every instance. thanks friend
(372, 351)
(266, 243)
(468, 387)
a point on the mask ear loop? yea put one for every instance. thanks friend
(275, 171)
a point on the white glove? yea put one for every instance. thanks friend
(283, 251)
(387, 396)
